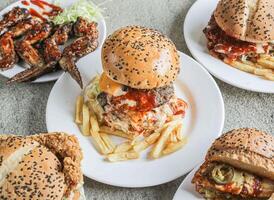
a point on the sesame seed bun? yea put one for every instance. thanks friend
(248, 149)
(31, 170)
(247, 20)
(140, 58)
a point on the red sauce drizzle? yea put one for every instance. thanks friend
(42, 5)
(25, 3)
(34, 13)
(145, 101)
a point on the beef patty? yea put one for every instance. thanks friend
(162, 95)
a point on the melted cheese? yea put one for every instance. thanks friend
(109, 86)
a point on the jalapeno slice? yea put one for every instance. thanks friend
(222, 174)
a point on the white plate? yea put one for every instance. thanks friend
(196, 20)
(187, 189)
(203, 123)
(53, 75)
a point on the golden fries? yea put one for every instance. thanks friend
(86, 125)
(115, 157)
(109, 131)
(108, 142)
(174, 146)
(263, 68)
(94, 123)
(266, 63)
(166, 140)
(124, 147)
(142, 145)
(101, 146)
(159, 146)
(179, 131)
(78, 110)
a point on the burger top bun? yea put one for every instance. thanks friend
(140, 58)
(247, 20)
(248, 149)
(31, 168)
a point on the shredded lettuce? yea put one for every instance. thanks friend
(84, 8)
(90, 95)
(92, 89)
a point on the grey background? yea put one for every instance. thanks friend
(22, 106)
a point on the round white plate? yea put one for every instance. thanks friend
(21, 66)
(196, 20)
(203, 123)
(187, 189)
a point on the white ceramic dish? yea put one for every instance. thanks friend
(203, 123)
(53, 75)
(187, 190)
(196, 20)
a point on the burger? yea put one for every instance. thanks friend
(239, 165)
(40, 167)
(242, 30)
(135, 92)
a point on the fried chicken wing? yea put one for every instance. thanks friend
(85, 44)
(52, 53)
(8, 55)
(12, 17)
(23, 27)
(31, 55)
(7, 51)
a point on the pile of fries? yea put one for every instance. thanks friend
(264, 66)
(164, 141)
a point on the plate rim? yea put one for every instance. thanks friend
(185, 179)
(50, 79)
(228, 81)
(220, 129)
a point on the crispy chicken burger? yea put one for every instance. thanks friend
(40, 167)
(239, 165)
(135, 92)
(242, 30)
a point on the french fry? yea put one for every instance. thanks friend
(173, 136)
(78, 110)
(242, 66)
(124, 147)
(269, 76)
(271, 59)
(266, 63)
(142, 145)
(108, 142)
(101, 146)
(260, 70)
(86, 125)
(115, 157)
(160, 144)
(174, 146)
(179, 131)
(109, 131)
(94, 123)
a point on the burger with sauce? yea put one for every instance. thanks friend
(241, 30)
(239, 165)
(135, 92)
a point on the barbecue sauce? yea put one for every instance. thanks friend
(55, 10)
(34, 13)
(145, 101)
(25, 3)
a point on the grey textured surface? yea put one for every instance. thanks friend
(22, 106)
